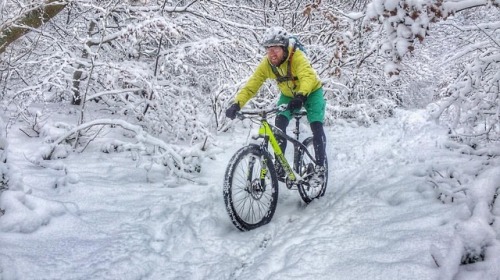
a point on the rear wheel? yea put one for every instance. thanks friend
(250, 188)
(308, 191)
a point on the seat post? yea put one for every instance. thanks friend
(296, 131)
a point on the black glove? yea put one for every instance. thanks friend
(296, 102)
(231, 111)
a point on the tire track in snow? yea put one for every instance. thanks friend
(370, 177)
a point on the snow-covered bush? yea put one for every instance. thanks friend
(154, 66)
(475, 238)
(469, 104)
(26, 213)
(461, 78)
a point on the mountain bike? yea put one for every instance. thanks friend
(251, 181)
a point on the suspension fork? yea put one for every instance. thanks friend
(250, 171)
(262, 173)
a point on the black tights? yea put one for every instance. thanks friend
(319, 138)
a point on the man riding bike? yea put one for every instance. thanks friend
(299, 85)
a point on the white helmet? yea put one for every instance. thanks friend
(275, 36)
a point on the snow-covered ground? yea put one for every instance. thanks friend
(97, 215)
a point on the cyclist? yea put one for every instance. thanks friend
(299, 85)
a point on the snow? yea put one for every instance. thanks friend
(105, 216)
(26, 213)
(391, 5)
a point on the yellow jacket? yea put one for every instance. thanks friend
(308, 80)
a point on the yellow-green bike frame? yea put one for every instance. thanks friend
(266, 132)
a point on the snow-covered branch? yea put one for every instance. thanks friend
(173, 157)
(406, 22)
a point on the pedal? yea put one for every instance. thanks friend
(291, 185)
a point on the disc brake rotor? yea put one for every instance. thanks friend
(256, 189)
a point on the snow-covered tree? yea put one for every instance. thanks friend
(469, 46)
(172, 67)
(469, 104)
(142, 61)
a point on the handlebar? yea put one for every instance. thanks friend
(256, 112)
(263, 113)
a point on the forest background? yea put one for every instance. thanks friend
(165, 71)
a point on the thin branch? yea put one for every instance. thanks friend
(488, 35)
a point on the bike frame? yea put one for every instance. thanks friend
(268, 131)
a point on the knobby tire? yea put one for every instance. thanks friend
(308, 193)
(250, 201)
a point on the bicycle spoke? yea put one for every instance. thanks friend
(250, 200)
(244, 193)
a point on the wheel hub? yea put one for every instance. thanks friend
(256, 189)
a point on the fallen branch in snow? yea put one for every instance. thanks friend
(46, 164)
(448, 188)
(180, 163)
(436, 256)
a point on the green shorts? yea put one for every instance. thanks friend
(315, 106)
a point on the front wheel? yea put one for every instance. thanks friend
(309, 192)
(250, 188)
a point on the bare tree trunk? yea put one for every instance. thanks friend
(32, 19)
(77, 76)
